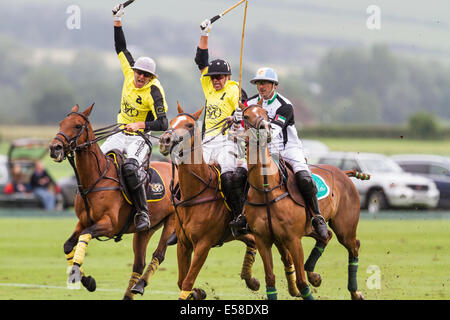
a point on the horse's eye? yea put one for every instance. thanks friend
(78, 126)
(190, 125)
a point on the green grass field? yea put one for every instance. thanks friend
(412, 255)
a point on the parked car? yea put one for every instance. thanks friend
(313, 149)
(436, 168)
(69, 186)
(389, 186)
(24, 152)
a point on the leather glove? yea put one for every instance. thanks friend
(119, 12)
(237, 116)
(205, 27)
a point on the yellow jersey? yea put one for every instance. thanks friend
(219, 104)
(139, 104)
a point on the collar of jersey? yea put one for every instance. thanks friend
(271, 100)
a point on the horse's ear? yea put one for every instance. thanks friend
(260, 102)
(179, 108)
(198, 113)
(75, 108)
(87, 112)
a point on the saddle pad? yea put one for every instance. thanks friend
(322, 188)
(156, 190)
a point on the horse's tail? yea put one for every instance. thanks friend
(357, 174)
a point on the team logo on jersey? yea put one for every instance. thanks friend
(129, 109)
(213, 112)
(139, 100)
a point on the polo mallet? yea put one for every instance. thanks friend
(125, 4)
(242, 50)
(215, 18)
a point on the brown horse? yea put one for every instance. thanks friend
(276, 215)
(108, 214)
(202, 218)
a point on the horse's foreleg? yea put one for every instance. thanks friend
(296, 250)
(140, 241)
(289, 270)
(184, 256)
(76, 277)
(70, 244)
(157, 258)
(201, 251)
(264, 249)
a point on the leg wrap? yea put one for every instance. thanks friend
(271, 293)
(352, 274)
(80, 251)
(69, 257)
(315, 254)
(151, 270)
(247, 265)
(306, 293)
(291, 280)
(133, 280)
(186, 295)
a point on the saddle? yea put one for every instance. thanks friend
(289, 181)
(155, 190)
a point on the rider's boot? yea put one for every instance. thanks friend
(138, 194)
(237, 195)
(308, 189)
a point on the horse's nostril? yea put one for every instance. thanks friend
(167, 140)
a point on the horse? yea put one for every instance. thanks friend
(276, 215)
(202, 217)
(101, 207)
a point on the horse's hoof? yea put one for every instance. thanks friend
(74, 280)
(357, 295)
(138, 288)
(253, 284)
(199, 294)
(125, 297)
(89, 283)
(315, 279)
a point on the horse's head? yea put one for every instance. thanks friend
(182, 127)
(73, 132)
(256, 119)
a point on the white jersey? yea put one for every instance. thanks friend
(281, 116)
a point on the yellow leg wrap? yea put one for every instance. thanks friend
(151, 270)
(133, 280)
(80, 251)
(291, 280)
(186, 295)
(249, 259)
(69, 257)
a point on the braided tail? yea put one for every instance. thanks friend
(357, 175)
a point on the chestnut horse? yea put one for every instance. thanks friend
(202, 218)
(109, 212)
(275, 218)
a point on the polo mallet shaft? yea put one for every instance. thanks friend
(125, 4)
(215, 18)
(242, 51)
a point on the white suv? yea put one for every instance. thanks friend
(389, 186)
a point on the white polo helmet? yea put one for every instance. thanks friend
(145, 64)
(265, 74)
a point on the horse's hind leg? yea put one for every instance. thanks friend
(346, 234)
(140, 241)
(157, 258)
(249, 259)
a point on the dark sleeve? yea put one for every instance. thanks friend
(284, 116)
(33, 181)
(160, 123)
(202, 58)
(121, 45)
